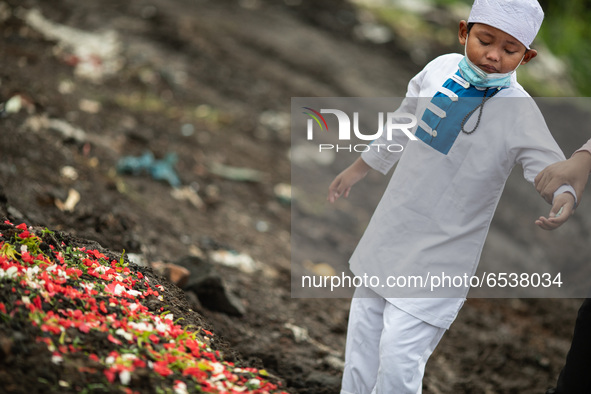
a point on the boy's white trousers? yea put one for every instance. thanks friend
(386, 349)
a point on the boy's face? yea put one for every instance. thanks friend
(493, 50)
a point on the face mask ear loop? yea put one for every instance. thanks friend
(519, 64)
(473, 67)
(465, 47)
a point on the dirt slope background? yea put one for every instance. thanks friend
(211, 81)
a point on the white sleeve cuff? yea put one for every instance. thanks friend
(566, 189)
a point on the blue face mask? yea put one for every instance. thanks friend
(473, 74)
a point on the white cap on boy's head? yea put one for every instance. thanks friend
(520, 18)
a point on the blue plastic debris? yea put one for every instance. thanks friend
(135, 165)
(160, 170)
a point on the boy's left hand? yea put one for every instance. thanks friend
(562, 209)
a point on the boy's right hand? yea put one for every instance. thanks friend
(345, 180)
(562, 208)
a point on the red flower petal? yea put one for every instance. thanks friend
(37, 302)
(111, 338)
(110, 375)
(24, 234)
(161, 368)
(154, 338)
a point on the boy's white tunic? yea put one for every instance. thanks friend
(435, 214)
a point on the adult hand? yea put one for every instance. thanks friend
(574, 172)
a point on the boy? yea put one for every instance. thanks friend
(437, 208)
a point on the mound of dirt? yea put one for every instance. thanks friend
(210, 83)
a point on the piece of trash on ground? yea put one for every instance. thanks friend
(273, 124)
(187, 193)
(90, 106)
(187, 130)
(70, 203)
(17, 102)
(67, 130)
(262, 226)
(94, 55)
(283, 193)
(320, 269)
(335, 362)
(300, 334)
(69, 173)
(231, 258)
(236, 173)
(137, 259)
(66, 87)
(160, 170)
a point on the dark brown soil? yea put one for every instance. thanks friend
(217, 66)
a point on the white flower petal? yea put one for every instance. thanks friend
(124, 377)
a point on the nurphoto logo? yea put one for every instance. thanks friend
(395, 122)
